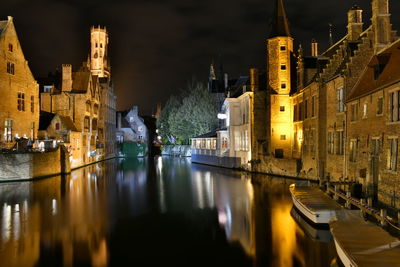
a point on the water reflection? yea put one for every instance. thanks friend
(153, 212)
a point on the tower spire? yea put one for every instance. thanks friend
(280, 23)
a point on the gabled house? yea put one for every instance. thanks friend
(132, 134)
(373, 128)
(19, 109)
(61, 129)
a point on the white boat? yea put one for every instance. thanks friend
(313, 203)
(362, 243)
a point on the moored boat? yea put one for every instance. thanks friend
(313, 203)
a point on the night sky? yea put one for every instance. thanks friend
(157, 46)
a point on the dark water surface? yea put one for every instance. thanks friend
(161, 212)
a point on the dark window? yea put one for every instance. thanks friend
(282, 108)
(10, 48)
(313, 106)
(32, 104)
(380, 106)
(279, 153)
(57, 126)
(306, 109)
(10, 68)
(283, 85)
(391, 106)
(283, 67)
(21, 102)
(283, 48)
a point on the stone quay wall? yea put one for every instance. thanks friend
(26, 166)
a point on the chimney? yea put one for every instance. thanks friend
(314, 48)
(381, 26)
(66, 85)
(226, 81)
(119, 120)
(254, 83)
(355, 23)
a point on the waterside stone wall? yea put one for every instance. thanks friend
(24, 166)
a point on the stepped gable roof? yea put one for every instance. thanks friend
(381, 71)
(68, 123)
(80, 80)
(45, 119)
(280, 23)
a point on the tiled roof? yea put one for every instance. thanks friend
(80, 80)
(381, 71)
(67, 122)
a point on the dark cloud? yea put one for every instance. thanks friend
(156, 46)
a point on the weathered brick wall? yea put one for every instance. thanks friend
(335, 121)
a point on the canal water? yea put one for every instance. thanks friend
(157, 212)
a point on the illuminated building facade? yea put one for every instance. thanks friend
(87, 98)
(19, 109)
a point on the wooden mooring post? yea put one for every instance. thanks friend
(348, 204)
(336, 197)
(398, 218)
(383, 217)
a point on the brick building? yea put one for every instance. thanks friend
(86, 97)
(19, 109)
(373, 127)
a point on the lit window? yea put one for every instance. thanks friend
(392, 155)
(365, 110)
(330, 142)
(8, 124)
(353, 150)
(354, 112)
(313, 106)
(339, 143)
(340, 100)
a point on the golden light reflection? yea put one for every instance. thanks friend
(284, 236)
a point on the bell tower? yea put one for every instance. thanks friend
(99, 64)
(279, 65)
